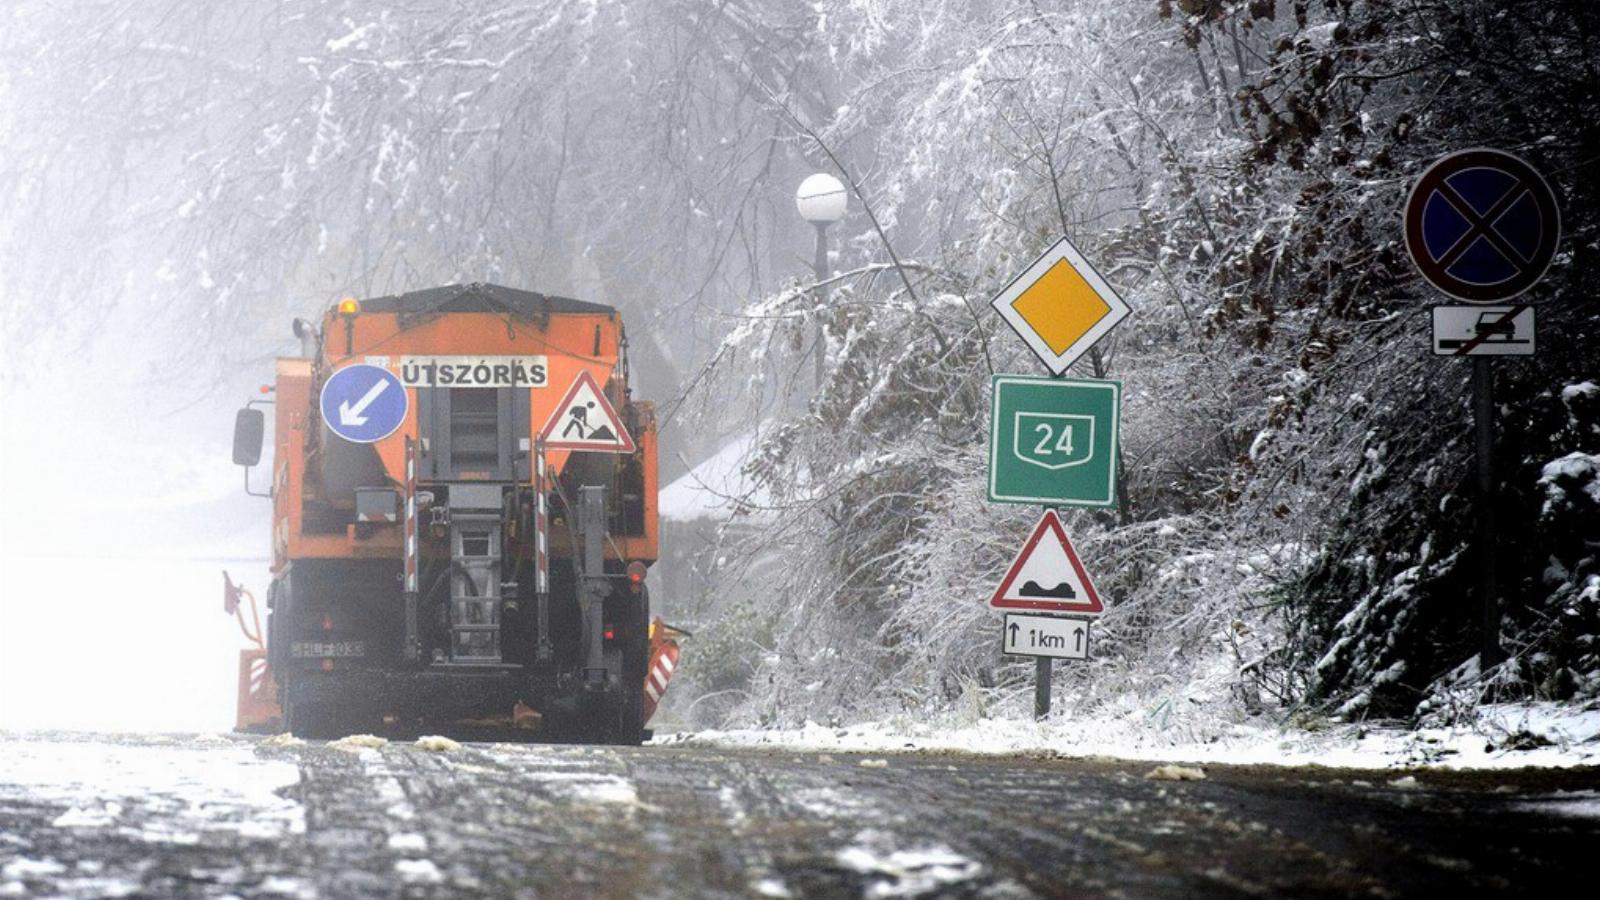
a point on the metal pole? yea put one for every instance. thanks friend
(819, 266)
(1041, 687)
(1042, 670)
(1041, 666)
(592, 525)
(1483, 421)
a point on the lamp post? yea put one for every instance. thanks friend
(821, 200)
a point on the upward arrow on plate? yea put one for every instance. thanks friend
(352, 415)
(1014, 627)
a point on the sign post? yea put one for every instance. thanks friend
(1054, 441)
(1488, 539)
(1047, 580)
(1482, 226)
(1041, 687)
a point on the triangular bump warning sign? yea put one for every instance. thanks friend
(585, 420)
(1047, 575)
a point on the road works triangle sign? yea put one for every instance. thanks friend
(1047, 575)
(1060, 306)
(585, 420)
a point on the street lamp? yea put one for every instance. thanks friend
(821, 200)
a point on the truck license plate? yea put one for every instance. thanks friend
(321, 649)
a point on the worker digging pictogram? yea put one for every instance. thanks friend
(578, 425)
(585, 420)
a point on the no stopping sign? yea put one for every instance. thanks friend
(1482, 225)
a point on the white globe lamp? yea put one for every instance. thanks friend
(821, 199)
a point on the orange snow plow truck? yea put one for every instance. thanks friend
(463, 517)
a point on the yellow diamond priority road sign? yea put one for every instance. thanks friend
(1060, 306)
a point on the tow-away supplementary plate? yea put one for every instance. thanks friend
(475, 371)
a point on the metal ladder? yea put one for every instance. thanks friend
(475, 598)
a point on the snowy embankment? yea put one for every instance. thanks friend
(1503, 737)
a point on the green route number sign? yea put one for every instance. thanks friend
(1054, 441)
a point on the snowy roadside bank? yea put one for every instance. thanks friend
(1539, 735)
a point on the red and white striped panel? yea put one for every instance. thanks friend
(411, 516)
(541, 528)
(662, 664)
(259, 676)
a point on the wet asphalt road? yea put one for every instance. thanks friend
(87, 816)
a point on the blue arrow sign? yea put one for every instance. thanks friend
(364, 403)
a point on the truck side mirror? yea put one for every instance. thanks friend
(248, 427)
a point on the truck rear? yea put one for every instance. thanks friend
(463, 516)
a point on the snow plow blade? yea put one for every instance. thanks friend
(258, 710)
(663, 660)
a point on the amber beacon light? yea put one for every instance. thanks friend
(349, 308)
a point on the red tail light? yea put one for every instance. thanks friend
(636, 576)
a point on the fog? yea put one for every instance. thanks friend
(124, 511)
(181, 179)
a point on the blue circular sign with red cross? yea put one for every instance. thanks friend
(1482, 225)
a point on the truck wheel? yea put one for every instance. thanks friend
(309, 721)
(626, 722)
(627, 727)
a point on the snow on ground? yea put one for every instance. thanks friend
(158, 792)
(1503, 737)
(585, 787)
(571, 776)
(1578, 805)
(418, 871)
(895, 872)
